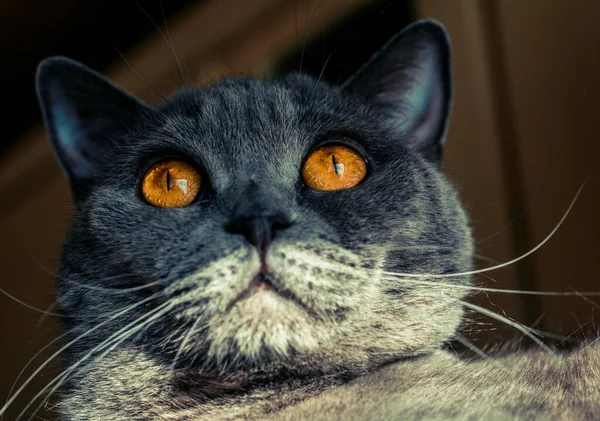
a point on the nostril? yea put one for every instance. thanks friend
(279, 222)
(237, 226)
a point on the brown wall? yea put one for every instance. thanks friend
(523, 139)
(551, 55)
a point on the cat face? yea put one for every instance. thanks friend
(260, 269)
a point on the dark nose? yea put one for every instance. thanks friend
(259, 229)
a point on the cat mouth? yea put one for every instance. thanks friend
(264, 281)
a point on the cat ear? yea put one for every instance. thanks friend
(409, 83)
(80, 108)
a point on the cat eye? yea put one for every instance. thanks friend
(171, 184)
(334, 167)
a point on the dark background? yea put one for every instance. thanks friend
(92, 31)
(97, 32)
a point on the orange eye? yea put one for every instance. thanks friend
(171, 184)
(334, 167)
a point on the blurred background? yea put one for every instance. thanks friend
(523, 135)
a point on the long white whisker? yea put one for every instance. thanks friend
(497, 290)
(509, 322)
(107, 278)
(595, 341)
(83, 335)
(29, 306)
(481, 353)
(114, 290)
(496, 267)
(464, 341)
(27, 365)
(116, 339)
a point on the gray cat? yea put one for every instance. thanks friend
(236, 252)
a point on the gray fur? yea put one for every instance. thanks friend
(353, 343)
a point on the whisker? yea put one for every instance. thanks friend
(184, 74)
(539, 332)
(41, 266)
(305, 35)
(501, 230)
(27, 365)
(149, 84)
(487, 259)
(106, 278)
(188, 335)
(403, 278)
(116, 338)
(589, 345)
(471, 346)
(115, 290)
(510, 262)
(296, 21)
(587, 300)
(546, 334)
(29, 306)
(86, 333)
(324, 66)
(509, 322)
(166, 38)
(43, 317)
(580, 328)
(488, 277)
(497, 290)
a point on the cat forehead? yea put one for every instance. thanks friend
(256, 104)
(255, 117)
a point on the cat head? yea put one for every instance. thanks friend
(254, 223)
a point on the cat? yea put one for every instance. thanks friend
(279, 250)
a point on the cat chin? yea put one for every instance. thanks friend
(263, 326)
(263, 306)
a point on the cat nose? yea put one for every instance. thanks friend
(259, 230)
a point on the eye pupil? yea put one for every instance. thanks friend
(338, 168)
(168, 180)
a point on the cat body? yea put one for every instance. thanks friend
(258, 280)
(440, 386)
